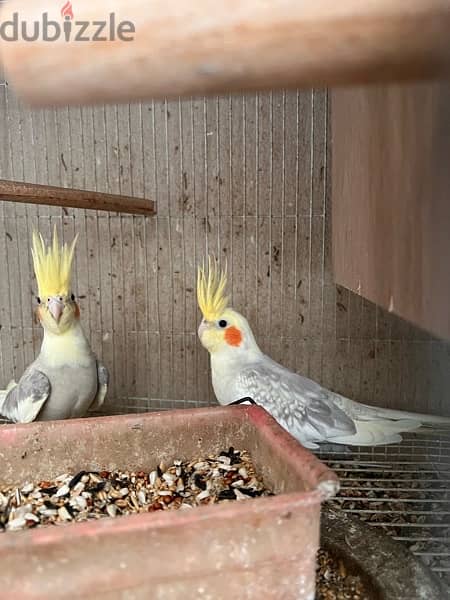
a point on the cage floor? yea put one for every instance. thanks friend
(403, 489)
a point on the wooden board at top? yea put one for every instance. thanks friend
(200, 47)
(391, 199)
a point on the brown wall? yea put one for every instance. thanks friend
(391, 198)
(246, 177)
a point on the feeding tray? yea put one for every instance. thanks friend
(387, 569)
(260, 548)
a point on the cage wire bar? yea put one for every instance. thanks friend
(403, 489)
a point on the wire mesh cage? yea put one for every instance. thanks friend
(403, 489)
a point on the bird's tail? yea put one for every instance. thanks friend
(377, 432)
(378, 426)
(4, 393)
(400, 415)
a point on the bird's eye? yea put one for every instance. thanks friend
(38, 300)
(72, 297)
(222, 323)
(60, 298)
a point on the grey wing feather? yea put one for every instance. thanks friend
(103, 380)
(24, 401)
(304, 408)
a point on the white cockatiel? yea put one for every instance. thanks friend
(308, 411)
(65, 380)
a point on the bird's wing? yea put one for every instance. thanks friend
(303, 407)
(103, 380)
(24, 401)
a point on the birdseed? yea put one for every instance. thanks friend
(334, 582)
(68, 498)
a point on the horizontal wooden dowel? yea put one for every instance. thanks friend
(57, 196)
(201, 47)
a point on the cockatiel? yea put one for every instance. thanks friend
(65, 380)
(308, 411)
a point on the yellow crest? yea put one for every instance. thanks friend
(210, 290)
(52, 265)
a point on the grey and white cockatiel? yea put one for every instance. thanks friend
(65, 380)
(308, 411)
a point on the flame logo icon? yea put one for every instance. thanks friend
(66, 10)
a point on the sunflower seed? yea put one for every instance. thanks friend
(80, 502)
(29, 487)
(63, 491)
(64, 514)
(203, 495)
(31, 517)
(16, 524)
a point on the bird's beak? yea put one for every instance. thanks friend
(56, 307)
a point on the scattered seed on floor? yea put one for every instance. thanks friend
(334, 583)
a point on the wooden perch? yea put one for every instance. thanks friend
(65, 197)
(201, 47)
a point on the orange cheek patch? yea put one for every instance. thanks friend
(77, 310)
(233, 336)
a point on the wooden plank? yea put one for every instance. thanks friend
(57, 196)
(208, 179)
(116, 255)
(124, 151)
(319, 130)
(186, 143)
(276, 316)
(203, 48)
(250, 283)
(288, 268)
(136, 142)
(301, 325)
(96, 273)
(15, 165)
(264, 143)
(290, 152)
(277, 154)
(263, 261)
(250, 190)
(191, 260)
(224, 156)
(174, 152)
(237, 155)
(161, 157)
(391, 209)
(305, 152)
(65, 162)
